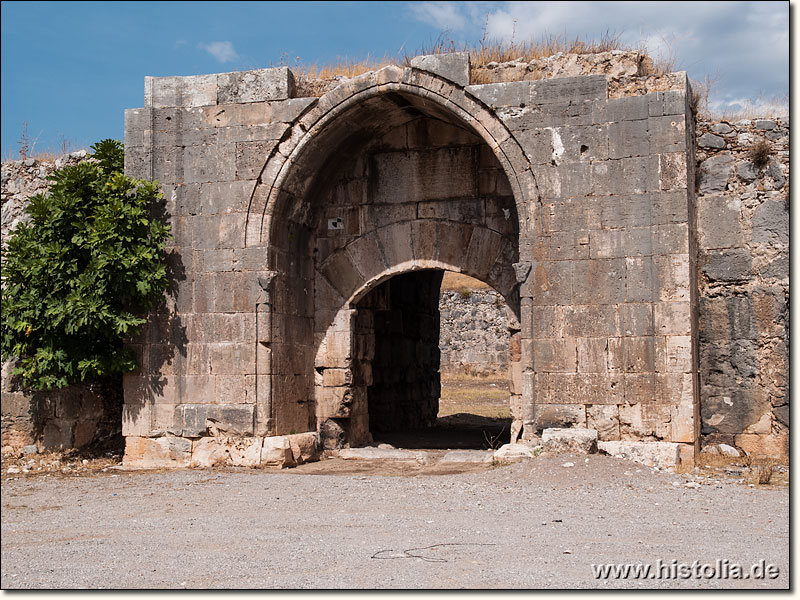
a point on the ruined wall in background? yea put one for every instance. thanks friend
(474, 332)
(743, 282)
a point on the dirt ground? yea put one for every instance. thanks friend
(352, 524)
(80, 521)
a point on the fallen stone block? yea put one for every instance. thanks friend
(514, 452)
(305, 447)
(383, 454)
(652, 454)
(208, 452)
(245, 452)
(149, 453)
(468, 456)
(277, 452)
(720, 450)
(576, 439)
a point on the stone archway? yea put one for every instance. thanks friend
(392, 179)
(284, 209)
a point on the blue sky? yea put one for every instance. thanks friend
(69, 69)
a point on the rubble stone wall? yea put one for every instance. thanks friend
(74, 416)
(743, 282)
(474, 332)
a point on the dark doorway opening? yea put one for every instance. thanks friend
(397, 350)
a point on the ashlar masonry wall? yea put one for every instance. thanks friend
(574, 206)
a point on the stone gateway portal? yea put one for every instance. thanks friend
(311, 235)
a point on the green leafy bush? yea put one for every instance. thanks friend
(80, 271)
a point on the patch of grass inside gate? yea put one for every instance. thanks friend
(482, 396)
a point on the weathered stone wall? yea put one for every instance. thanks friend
(474, 332)
(743, 235)
(61, 419)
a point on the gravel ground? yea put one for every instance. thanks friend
(340, 524)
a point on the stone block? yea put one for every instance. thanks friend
(342, 274)
(551, 283)
(718, 222)
(195, 90)
(150, 453)
(592, 355)
(604, 418)
(383, 454)
(276, 452)
(709, 140)
(600, 281)
(575, 439)
(636, 319)
(728, 265)
(670, 102)
(305, 447)
(638, 354)
(366, 256)
(652, 454)
(452, 66)
(672, 238)
(629, 108)
(678, 354)
(672, 277)
(513, 453)
(682, 419)
(569, 89)
(758, 445)
(468, 456)
(667, 134)
(714, 172)
(593, 388)
(287, 111)
(259, 85)
(627, 212)
(555, 356)
(136, 419)
(58, 434)
(416, 176)
(591, 320)
(771, 223)
(208, 452)
(514, 93)
(628, 138)
(669, 207)
(245, 452)
(484, 248)
(673, 318)
(619, 243)
(559, 415)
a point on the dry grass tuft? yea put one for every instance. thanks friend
(311, 78)
(499, 52)
(759, 153)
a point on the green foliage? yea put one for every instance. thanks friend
(77, 274)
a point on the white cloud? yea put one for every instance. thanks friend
(743, 44)
(446, 16)
(222, 51)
